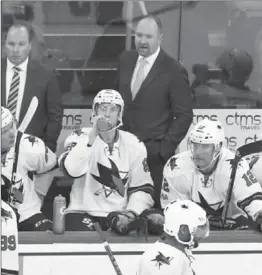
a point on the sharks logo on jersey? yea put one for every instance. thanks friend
(110, 179)
(32, 139)
(78, 132)
(160, 260)
(172, 163)
(5, 215)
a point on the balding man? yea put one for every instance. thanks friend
(157, 96)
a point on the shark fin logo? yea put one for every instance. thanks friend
(160, 260)
(33, 140)
(110, 179)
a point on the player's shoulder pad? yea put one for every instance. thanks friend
(31, 144)
(133, 144)
(228, 157)
(178, 163)
(79, 135)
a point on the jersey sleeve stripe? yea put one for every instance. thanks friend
(8, 272)
(253, 162)
(147, 188)
(244, 203)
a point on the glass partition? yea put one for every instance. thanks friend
(82, 40)
(232, 28)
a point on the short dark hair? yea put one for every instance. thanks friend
(154, 18)
(19, 24)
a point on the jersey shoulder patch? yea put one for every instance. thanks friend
(180, 162)
(78, 136)
(31, 144)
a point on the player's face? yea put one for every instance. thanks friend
(147, 37)
(109, 111)
(203, 154)
(17, 45)
(8, 135)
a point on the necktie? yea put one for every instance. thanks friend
(139, 78)
(13, 93)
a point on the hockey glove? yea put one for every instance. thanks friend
(240, 223)
(154, 220)
(121, 221)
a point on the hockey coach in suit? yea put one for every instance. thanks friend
(157, 95)
(23, 78)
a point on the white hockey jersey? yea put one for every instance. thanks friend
(107, 180)
(9, 241)
(163, 259)
(182, 180)
(34, 158)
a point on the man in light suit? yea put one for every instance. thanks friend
(157, 96)
(23, 78)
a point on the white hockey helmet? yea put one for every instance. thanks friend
(207, 131)
(108, 96)
(7, 117)
(185, 212)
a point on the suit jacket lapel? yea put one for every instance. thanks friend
(129, 73)
(155, 70)
(3, 81)
(31, 79)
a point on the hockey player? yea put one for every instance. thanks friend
(185, 225)
(33, 158)
(9, 241)
(112, 182)
(202, 175)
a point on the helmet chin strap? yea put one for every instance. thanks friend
(210, 164)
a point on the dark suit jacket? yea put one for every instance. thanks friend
(42, 83)
(164, 94)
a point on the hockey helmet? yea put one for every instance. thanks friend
(207, 131)
(185, 212)
(237, 64)
(108, 96)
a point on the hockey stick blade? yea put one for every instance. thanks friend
(248, 149)
(245, 150)
(29, 115)
(107, 248)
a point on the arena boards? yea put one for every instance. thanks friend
(224, 253)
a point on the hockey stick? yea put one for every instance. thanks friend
(107, 248)
(20, 131)
(248, 149)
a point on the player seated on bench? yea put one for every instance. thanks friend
(202, 174)
(33, 158)
(112, 182)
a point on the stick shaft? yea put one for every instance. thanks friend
(107, 248)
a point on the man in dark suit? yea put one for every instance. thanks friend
(23, 78)
(157, 96)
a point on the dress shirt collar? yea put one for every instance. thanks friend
(22, 66)
(151, 58)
